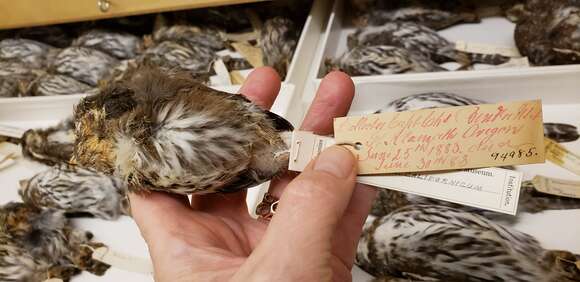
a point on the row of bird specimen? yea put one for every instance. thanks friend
(75, 58)
(401, 36)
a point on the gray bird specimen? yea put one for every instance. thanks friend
(278, 39)
(168, 54)
(57, 84)
(436, 243)
(548, 32)
(191, 36)
(382, 60)
(29, 52)
(164, 131)
(119, 45)
(432, 18)
(418, 39)
(75, 190)
(84, 64)
(47, 237)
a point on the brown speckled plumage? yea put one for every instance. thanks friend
(38, 244)
(164, 131)
(548, 32)
(278, 39)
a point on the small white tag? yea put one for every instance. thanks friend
(492, 189)
(53, 280)
(11, 131)
(123, 262)
(222, 76)
(558, 187)
(7, 160)
(480, 48)
(305, 147)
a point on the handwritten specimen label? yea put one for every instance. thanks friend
(445, 138)
(561, 156)
(493, 189)
(559, 187)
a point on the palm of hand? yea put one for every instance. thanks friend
(213, 238)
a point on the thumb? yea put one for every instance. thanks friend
(309, 211)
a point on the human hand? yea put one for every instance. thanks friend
(313, 235)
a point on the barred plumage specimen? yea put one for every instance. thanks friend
(436, 243)
(418, 39)
(164, 131)
(548, 32)
(117, 44)
(32, 53)
(84, 64)
(191, 36)
(381, 60)
(278, 39)
(431, 18)
(170, 54)
(57, 84)
(15, 85)
(75, 190)
(57, 250)
(11, 67)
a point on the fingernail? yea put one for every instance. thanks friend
(336, 161)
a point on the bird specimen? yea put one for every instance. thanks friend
(236, 63)
(379, 60)
(548, 32)
(418, 39)
(76, 191)
(170, 54)
(15, 85)
(84, 64)
(29, 52)
(436, 243)
(119, 45)
(278, 39)
(432, 18)
(51, 146)
(10, 67)
(561, 132)
(56, 84)
(191, 36)
(47, 237)
(164, 131)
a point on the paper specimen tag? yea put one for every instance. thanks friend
(252, 54)
(561, 156)
(445, 138)
(558, 187)
(53, 280)
(7, 160)
(480, 48)
(222, 76)
(122, 261)
(236, 77)
(10, 131)
(493, 189)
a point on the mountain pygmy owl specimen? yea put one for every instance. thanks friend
(51, 146)
(432, 18)
(41, 241)
(437, 243)
(75, 190)
(117, 44)
(164, 131)
(29, 52)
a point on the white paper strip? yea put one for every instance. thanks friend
(122, 261)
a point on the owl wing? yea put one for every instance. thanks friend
(280, 123)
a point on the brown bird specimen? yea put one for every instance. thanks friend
(548, 32)
(39, 244)
(278, 39)
(164, 131)
(51, 146)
